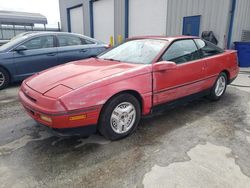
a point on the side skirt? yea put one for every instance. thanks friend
(178, 102)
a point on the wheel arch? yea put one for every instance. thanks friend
(228, 75)
(4, 68)
(134, 93)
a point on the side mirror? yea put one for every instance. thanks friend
(20, 48)
(164, 65)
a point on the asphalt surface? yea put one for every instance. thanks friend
(199, 144)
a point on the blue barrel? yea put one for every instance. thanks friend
(243, 49)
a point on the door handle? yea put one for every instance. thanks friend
(51, 54)
(83, 50)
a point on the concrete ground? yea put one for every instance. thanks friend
(200, 144)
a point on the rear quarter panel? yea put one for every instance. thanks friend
(226, 62)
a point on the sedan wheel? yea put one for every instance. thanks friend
(119, 117)
(219, 88)
(4, 79)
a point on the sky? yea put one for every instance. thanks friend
(48, 8)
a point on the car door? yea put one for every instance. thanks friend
(71, 48)
(186, 79)
(40, 54)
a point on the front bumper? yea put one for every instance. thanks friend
(50, 112)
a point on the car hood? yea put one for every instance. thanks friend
(80, 73)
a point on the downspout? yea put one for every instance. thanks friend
(231, 23)
(91, 17)
(126, 18)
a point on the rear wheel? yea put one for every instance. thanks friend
(219, 88)
(4, 78)
(120, 117)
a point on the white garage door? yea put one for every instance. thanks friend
(103, 13)
(147, 17)
(76, 20)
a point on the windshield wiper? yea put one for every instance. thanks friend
(110, 59)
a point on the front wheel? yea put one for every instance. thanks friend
(219, 87)
(4, 78)
(120, 117)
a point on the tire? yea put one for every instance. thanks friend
(119, 110)
(219, 87)
(4, 78)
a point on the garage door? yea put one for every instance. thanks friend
(103, 13)
(76, 20)
(147, 17)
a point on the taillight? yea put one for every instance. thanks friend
(108, 46)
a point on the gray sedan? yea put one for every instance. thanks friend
(32, 52)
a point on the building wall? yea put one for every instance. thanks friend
(165, 17)
(241, 19)
(214, 16)
(65, 4)
(119, 19)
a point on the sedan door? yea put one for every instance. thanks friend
(39, 53)
(186, 79)
(72, 48)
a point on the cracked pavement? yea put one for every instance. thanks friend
(199, 144)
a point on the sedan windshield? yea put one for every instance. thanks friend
(136, 51)
(12, 43)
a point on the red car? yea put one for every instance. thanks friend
(112, 92)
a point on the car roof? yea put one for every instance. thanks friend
(34, 33)
(41, 33)
(167, 38)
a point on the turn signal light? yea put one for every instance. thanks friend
(46, 118)
(78, 117)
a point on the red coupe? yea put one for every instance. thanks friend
(110, 93)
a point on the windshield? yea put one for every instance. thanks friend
(12, 42)
(19, 35)
(136, 51)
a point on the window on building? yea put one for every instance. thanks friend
(40, 42)
(207, 48)
(181, 51)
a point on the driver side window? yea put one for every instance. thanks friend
(40, 42)
(181, 51)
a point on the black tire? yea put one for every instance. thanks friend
(104, 125)
(5, 77)
(213, 96)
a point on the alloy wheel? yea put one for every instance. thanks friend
(123, 117)
(2, 79)
(220, 86)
